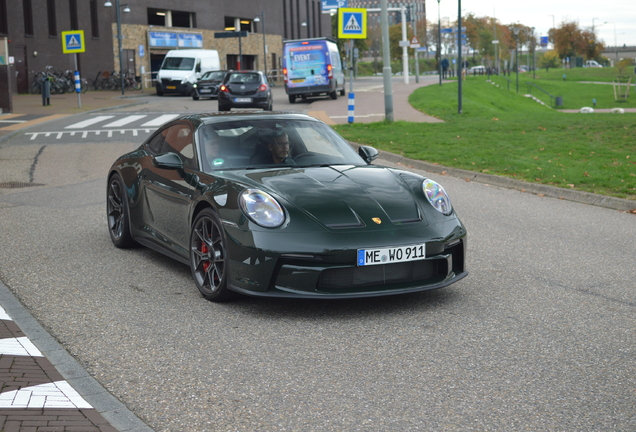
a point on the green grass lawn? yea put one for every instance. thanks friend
(503, 133)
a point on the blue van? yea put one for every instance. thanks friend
(312, 67)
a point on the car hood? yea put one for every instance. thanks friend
(344, 196)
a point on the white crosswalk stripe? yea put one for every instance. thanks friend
(159, 120)
(124, 121)
(88, 122)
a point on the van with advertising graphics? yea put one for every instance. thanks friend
(312, 67)
(181, 69)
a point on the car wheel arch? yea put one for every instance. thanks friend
(200, 206)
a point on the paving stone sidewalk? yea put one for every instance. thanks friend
(41, 383)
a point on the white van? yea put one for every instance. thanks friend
(312, 67)
(592, 64)
(181, 69)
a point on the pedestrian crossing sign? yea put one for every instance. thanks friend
(73, 42)
(352, 23)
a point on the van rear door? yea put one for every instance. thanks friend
(307, 63)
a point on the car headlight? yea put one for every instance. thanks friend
(437, 196)
(261, 208)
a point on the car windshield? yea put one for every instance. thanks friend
(178, 63)
(213, 75)
(268, 143)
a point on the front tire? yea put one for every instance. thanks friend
(117, 213)
(208, 257)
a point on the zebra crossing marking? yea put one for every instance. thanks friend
(160, 120)
(88, 122)
(124, 121)
(109, 129)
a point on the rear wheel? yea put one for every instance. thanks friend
(334, 94)
(208, 257)
(292, 98)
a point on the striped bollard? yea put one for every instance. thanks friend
(78, 85)
(352, 105)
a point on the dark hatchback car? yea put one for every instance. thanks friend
(208, 85)
(245, 89)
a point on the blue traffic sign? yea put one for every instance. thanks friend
(352, 23)
(327, 5)
(73, 42)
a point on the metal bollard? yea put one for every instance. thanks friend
(46, 92)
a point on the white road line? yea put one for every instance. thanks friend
(88, 122)
(57, 394)
(124, 121)
(159, 120)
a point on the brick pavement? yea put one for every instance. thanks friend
(41, 383)
(34, 396)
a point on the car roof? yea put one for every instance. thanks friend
(223, 116)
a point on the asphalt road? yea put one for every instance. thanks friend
(540, 335)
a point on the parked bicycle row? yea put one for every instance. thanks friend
(60, 82)
(63, 82)
(105, 80)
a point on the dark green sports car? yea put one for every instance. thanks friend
(280, 205)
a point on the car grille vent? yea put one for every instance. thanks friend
(18, 185)
(410, 272)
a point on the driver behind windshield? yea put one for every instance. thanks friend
(278, 150)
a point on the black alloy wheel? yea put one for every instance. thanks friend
(117, 213)
(208, 257)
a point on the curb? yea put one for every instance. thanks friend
(114, 411)
(508, 183)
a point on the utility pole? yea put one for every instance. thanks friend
(386, 60)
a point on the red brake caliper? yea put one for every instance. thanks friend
(204, 249)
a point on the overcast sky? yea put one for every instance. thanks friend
(603, 14)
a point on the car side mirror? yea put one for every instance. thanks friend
(198, 67)
(170, 161)
(368, 153)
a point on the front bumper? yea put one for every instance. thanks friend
(171, 86)
(210, 91)
(320, 273)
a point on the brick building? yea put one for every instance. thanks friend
(33, 29)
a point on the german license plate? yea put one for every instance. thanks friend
(205, 91)
(242, 100)
(391, 254)
(171, 87)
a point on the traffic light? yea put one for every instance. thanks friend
(408, 13)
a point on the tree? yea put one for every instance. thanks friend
(592, 48)
(549, 60)
(568, 40)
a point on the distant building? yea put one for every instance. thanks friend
(34, 27)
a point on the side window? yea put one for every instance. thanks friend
(156, 144)
(179, 140)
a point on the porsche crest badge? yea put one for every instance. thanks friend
(377, 220)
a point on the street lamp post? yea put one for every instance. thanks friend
(534, 55)
(119, 38)
(439, 43)
(516, 32)
(262, 19)
(615, 43)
